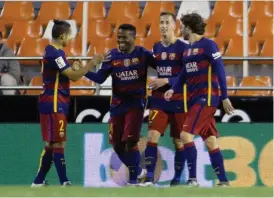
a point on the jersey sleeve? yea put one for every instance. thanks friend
(179, 80)
(215, 59)
(61, 62)
(101, 75)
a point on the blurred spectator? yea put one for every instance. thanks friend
(10, 70)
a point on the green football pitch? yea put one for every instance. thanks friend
(75, 191)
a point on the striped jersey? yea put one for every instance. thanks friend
(203, 73)
(129, 78)
(169, 64)
(56, 94)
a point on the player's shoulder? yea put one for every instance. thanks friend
(52, 52)
(209, 42)
(157, 44)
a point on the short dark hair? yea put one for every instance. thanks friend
(59, 28)
(129, 27)
(195, 22)
(168, 14)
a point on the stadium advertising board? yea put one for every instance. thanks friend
(95, 109)
(247, 150)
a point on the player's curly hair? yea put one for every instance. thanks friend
(59, 28)
(195, 22)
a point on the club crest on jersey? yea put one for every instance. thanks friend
(164, 56)
(195, 51)
(135, 60)
(127, 62)
(172, 56)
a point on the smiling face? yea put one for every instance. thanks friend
(167, 26)
(125, 39)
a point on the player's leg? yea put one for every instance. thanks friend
(46, 157)
(158, 122)
(58, 139)
(116, 131)
(185, 150)
(132, 131)
(215, 154)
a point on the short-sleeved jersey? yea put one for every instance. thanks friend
(56, 94)
(169, 64)
(203, 73)
(129, 78)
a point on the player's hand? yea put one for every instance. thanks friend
(228, 106)
(157, 83)
(76, 65)
(97, 59)
(106, 56)
(169, 94)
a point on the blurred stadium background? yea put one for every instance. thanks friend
(244, 34)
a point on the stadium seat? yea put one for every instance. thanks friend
(151, 12)
(74, 48)
(236, 9)
(257, 81)
(24, 29)
(263, 29)
(178, 31)
(123, 10)
(202, 8)
(221, 44)
(212, 28)
(154, 32)
(15, 11)
(220, 11)
(145, 42)
(35, 81)
(140, 27)
(48, 30)
(230, 28)
(104, 45)
(53, 10)
(253, 47)
(231, 82)
(234, 48)
(96, 11)
(82, 82)
(267, 50)
(32, 47)
(259, 10)
(97, 30)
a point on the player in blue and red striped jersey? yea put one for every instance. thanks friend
(128, 69)
(168, 54)
(53, 103)
(203, 73)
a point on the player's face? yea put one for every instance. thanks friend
(185, 32)
(167, 26)
(125, 39)
(66, 38)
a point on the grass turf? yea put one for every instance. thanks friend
(77, 191)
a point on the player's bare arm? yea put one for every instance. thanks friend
(169, 94)
(157, 83)
(75, 75)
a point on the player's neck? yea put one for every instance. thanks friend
(56, 44)
(131, 49)
(194, 37)
(168, 41)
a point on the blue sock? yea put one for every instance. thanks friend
(123, 159)
(45, 164)
(191, 157)
(179, 163)
(217, 163)
(151, 159)
(60, 164)
(133, 159)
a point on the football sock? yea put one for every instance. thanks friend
(60, 164)
(151, 159)
(191, 157)
(179, 163)
(44, 166)
(133, 160)
(217, 163)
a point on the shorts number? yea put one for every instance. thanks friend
(152, 114)
(61, 123)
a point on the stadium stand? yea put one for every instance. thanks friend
(25, 27)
